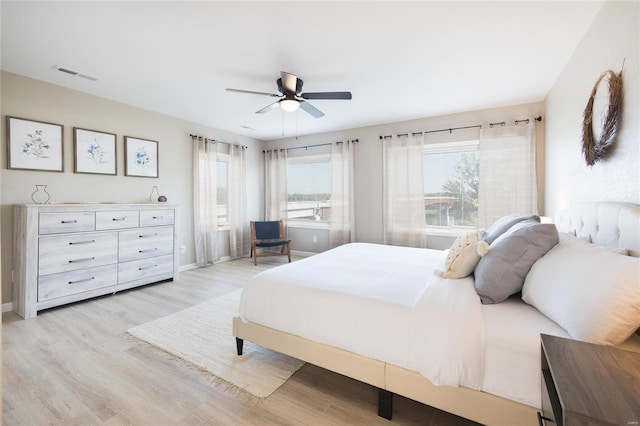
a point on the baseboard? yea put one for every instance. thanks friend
(183, 268)
(7, 307)
(302, 253)
(196, 266)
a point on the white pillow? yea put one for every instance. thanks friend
(571, 239)
(592, 293)
(464, 255)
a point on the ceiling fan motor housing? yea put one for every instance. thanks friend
(282, 90)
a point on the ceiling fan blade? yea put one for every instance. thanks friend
(268, 108)
(289, 82)
(315, 112)
(251, 92)
(327, 95)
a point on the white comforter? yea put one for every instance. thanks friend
(383, 302)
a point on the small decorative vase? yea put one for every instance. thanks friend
(162, 199)
(153, 198)
(40, 195)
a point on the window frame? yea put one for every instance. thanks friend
(311, 158)
(470, 145)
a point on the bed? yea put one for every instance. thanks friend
(383, 326)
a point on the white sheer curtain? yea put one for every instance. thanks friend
(205, 203)
(507, 172)
(404, 221)
(342, 227)
(237, 202)
(275, 194)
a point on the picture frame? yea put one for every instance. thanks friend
(141, 157)
(94, 152)
(34, 145)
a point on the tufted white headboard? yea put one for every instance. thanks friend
(606, 223)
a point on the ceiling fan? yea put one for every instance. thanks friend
(290, 86)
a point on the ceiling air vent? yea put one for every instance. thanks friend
(76, 73)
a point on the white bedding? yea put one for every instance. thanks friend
(383, 302)
(512, 349)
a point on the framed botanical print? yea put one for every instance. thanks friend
(94, 152)
(34, 145)
(141, 157)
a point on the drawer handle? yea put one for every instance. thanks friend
(86, 259)
(147, 250)
(82, 281)
(158, 217)
(119, 219)
(142, 268)
(69, 221)
(148, 235)
(82, 242)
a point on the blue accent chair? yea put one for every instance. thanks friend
(269, 234)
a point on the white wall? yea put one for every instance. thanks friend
(368, 167)
(32, 99)
(612, 38)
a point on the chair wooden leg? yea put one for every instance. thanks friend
(288, 252)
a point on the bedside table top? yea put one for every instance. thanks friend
(594, 382)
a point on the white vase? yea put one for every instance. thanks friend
(40, 195)
(153, 198)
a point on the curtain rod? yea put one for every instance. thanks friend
(217, 141)
(451, 129)
(310, 146)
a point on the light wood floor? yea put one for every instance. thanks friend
(74, 366)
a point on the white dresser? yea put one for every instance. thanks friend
(69, 252)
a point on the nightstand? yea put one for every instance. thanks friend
(586, 384)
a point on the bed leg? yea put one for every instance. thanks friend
(239, 343)
(385, 403)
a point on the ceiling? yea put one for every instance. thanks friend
(400, 60)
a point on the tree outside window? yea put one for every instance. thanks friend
(451, 186)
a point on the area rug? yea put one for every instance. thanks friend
(202, 337)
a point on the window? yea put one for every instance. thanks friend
(309, 189)
(222, 189)
(451, 185)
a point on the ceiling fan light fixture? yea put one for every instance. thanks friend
(289, 105)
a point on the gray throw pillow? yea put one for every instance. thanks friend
(502, 271)
(505, 223)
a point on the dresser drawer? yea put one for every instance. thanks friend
(156, 217)
(137, 269)
(67, 283)
(117, 219)
(61, 253)
(57, 223)
(143, 243)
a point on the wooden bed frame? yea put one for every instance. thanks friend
(612, 224)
